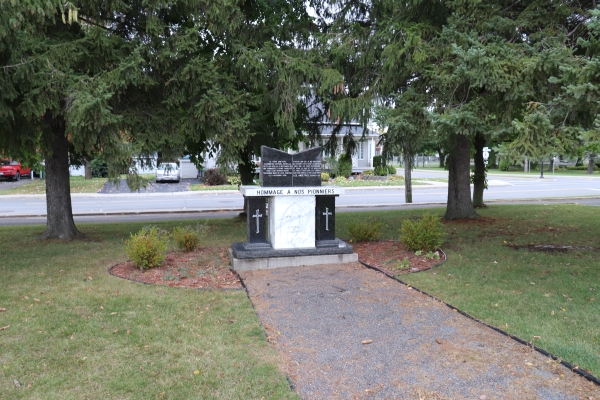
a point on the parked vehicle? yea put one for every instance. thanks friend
(167, 172)
(10, 169)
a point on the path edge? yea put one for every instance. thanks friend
(574, 368)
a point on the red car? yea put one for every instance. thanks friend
(13, 170)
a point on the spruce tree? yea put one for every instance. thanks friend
(131, 78)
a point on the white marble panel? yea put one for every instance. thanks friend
(253, 191)
(292, 222)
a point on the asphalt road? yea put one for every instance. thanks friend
(177, 201)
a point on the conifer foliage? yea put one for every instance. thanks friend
(513, 71)
(125, 78)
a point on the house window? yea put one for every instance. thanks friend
(361, 150)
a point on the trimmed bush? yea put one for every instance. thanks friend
(365, 231)
(380, 171)
(367, 172)
(344, 166)
(146, 248)
(187, 238)
(424, 234)
(391, 169)
(378, 161)
(214, 177)
(324, 177)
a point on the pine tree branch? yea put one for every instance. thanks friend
(95, 24)
(16, 65)
(573, 31)
(513, 4)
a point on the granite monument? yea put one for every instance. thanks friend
(298, 211)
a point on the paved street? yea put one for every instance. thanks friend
(167, 200)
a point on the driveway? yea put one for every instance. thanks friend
(9, 184)
(153, 187)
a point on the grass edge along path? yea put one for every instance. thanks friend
(75, 331)
(549, 299)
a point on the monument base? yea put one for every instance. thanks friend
(249, 264)
(265, 250)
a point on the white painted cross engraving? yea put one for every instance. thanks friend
(327, 214)
(257, 216)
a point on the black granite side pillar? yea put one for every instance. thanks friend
(325, 220)
(256, 227)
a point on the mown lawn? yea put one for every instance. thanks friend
(74, 331)
(78, 185)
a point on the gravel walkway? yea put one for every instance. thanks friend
(318, 317)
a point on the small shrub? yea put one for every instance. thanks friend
(214, 177)
(402, 265)
(432, 255)
(378, 161)
(187, 238)
(423, 235)
(146, 248)
(391, 169)
(365, 231)
(367, 172)
(380, 171)
(234, 180)
(324, 177)
(344, 167)
(340, 179)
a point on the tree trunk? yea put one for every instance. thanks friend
(88, 169)
(60, 222)
(245, 168)
(590, 169)
(442, 158)
(459, 180)
(407, 178)
(479, 176)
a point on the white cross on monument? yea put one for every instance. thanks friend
(257, 216)
(327, 214)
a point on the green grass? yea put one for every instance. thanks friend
(199, 187)
(555, 296)
(78, 185)
(94, 335)
(354, 183)
(77, 332)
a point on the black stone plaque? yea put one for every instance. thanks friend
(256, 227)
(325, 218)
(278, 168)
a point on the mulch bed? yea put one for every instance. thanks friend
(387, 255)
(206, 268)
(209, 268)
